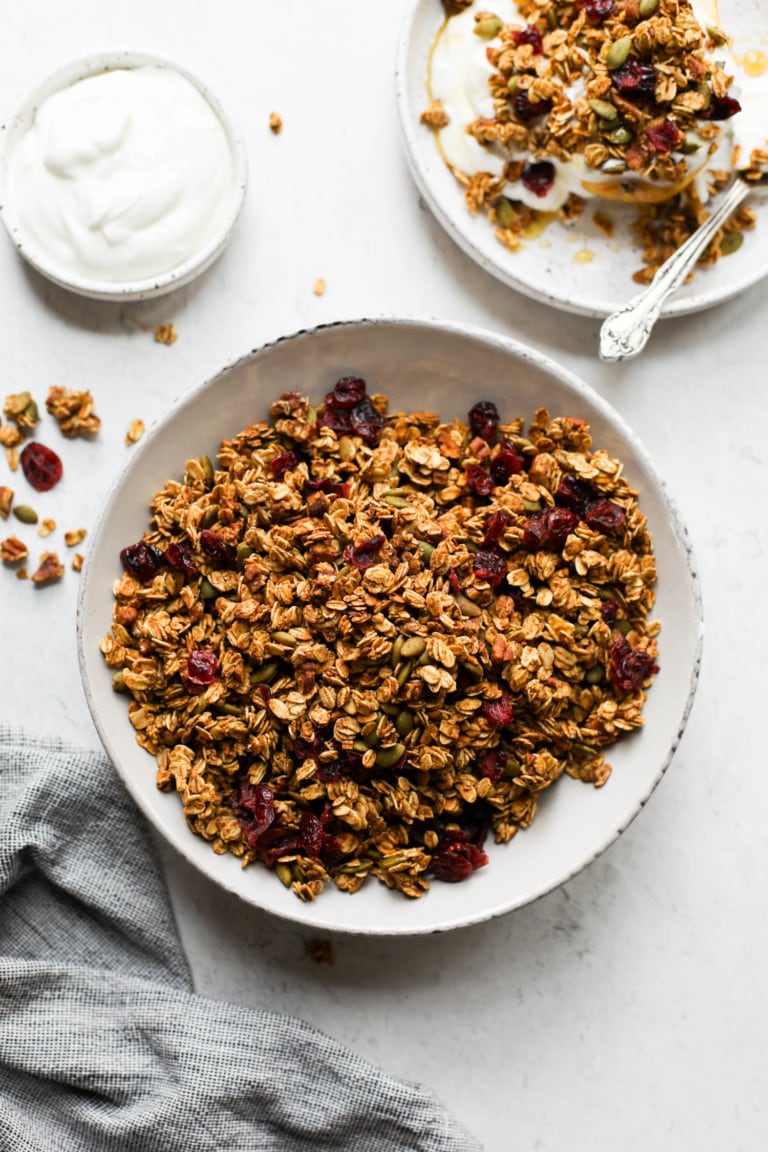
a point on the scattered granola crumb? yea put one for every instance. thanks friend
(275, 123)
(6, 500)
(135, 432)
(22, 574)
(49, 570)
(12, 550)
(10, 436)
(604, 222)
(166, 334)
(320, 951)
(74, 411)
(22, 409)
(47, 527)
(77, 562)
(12, 456)
(319, 287)
(435, 115)
(74, 537)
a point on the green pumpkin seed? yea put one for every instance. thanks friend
(512, 766)
(468, 607)
(395, 501)
(513, 84)
(210, 516)
(26, 514)
(624, 626)
(118, 682)
(404, 723)
(31, 412)
(346, 448)
(391, 710)
(243, 552)
(604, 109)
(232, 709)
(584, 748)
(397, 649)
(311, 415)
(620, 136)
(426, 550)
(531, 505)
(689, 146)
(716, 35)
(647, 8)
(731, 242)
(360, 745)
(207, 466)
(595, 675)
(505, 212)
(488, 27)
(551, 19)
(413, 646)
(404, 673)
(705, 91)
(207, 590)
(388, 757)
(284, 638)
(265, 673)
(284, 873)
(618, 53)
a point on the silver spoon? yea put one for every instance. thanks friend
(625, 333)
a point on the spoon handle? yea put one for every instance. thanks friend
(626, 332)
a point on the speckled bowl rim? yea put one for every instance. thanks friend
(94, 288)
(183, 841)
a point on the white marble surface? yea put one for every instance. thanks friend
(628, 1009)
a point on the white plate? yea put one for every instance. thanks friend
(546, 268)
(447, 369)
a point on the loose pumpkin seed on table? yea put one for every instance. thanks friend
(360, 642)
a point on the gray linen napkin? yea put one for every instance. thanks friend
(104, 1046)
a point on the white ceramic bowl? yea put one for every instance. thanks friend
(95, 288)
(444, 368)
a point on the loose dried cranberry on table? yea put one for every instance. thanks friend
(346, 393)
(605, 516)
(217, 549)
(284, 462)
(525, 109)
(549, 529)
(664, 137)
(507, 462)
(539, 177)
(529, 35)
(484, 419)
(720, 108)
(42, 467)
(201, 668)
(141, 560)
(498, 713)
(177, 556)
(634, 78)
(596, 10)
(454, 862)
(479, 481)
(630, 668)
(363, 555)
(366, 421)
(490, 565)
(491, 764)
(494, 529)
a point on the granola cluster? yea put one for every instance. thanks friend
(360, 641)
(632, 87)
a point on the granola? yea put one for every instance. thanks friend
(624, 101)
(74, 411)
(359, 641)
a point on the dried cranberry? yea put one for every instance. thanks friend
(491, 565)
(634, 78)
(328, 771)
(498, 713)
(453, 581)
(549, 529)
(330, 851)
(479, 481)
(454, 862)
(351, 764)
(494, 529)
(605, 516)
(347, 392)
(275, 842)
(307, 749)
(596, 10)
(177, 556)
(539, 177)
(491, 764)
(507, 462)
(310, 835)
(142, 561)
(363, 555)
(337, 419)
(529, 35)
(42, 467)
(330, 487)
(630, 668)
(484, 419)
(217, 549)
(574, 494)
(366, 421)
(517, 597)
(525, 109)
(255, 801)
(201, 668)
(720, 108)
(284, 462)
(609, 612)
(664, 137)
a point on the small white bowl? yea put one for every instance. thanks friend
(443, 368)
(96, 288)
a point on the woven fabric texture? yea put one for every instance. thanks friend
(104, 1045)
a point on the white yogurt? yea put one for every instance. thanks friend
(459, 77)
(122, 176)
